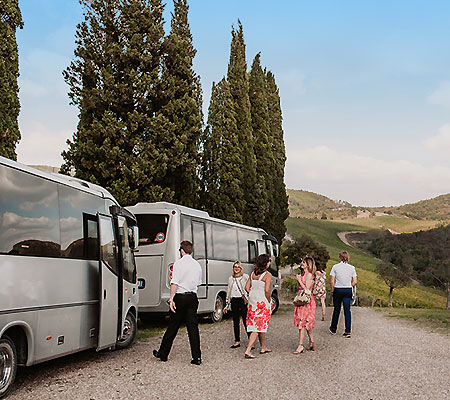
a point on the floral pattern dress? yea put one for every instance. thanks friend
(259, 309)
(320, 290)
(305, 316)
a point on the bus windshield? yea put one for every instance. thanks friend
(152, 228)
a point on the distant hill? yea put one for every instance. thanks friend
(437, 208)
(304, 204)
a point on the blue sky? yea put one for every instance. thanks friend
(364, 85)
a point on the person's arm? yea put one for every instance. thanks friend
(268, 281)
(332, 282)
(173, 290)
(354, 280)
(299, 280)
(230, 284)
(248, 284)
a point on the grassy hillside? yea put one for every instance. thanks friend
(397, 224)
(369, 284)
(437, 208)
(304, 204)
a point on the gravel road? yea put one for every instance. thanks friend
(385, 359)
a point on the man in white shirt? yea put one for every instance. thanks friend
(183, 303)
(343, 278)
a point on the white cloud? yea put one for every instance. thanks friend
(363, 180)
(441, 96)
(441, 142)
(41, 145)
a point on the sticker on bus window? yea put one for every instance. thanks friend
(160, 237)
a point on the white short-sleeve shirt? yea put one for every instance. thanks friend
(187, 274)
(343, 272)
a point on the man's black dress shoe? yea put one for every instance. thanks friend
(156, 354)
(196, 361)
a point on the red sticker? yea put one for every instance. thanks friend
(160, 237)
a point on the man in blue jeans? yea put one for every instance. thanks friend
(343, 278)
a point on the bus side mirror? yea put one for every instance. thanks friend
(135, 239)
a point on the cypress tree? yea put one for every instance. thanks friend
(10, 20)
(182, 108)
(237, 77)
(222, 167)
(262, 146)
(279, 204)
(114, 81)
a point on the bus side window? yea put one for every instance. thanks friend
(199, 240)
(90, 229)
(251, 251)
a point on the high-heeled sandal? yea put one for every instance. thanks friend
(312, 346)
(300, 352)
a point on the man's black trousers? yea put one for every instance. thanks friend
(186, 311)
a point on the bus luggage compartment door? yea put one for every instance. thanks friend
(109, 292)
(149, 269)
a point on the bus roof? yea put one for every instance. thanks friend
(59, 178)
(163, 206)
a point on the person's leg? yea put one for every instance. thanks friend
(236, 316)
(175, 319)
(337, 301)
(347, 313)
(300, 347)
(251, 342)
(192, 326)
(244, 316)
(324, 308)
(312, 344)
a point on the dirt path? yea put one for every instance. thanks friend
(385, 359)
(343, 236)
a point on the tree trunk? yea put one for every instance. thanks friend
(391, 289)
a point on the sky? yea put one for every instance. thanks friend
(364, 87)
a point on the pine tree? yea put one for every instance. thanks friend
(114, 81)
(279, 205)
(10, 20)
(262, 146)
(222, 167)
(237, 77)
(181, 100)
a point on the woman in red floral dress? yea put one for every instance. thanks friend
(305, 316)
(259, 307)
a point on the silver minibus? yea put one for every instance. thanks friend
(217, 244)
(67, 269)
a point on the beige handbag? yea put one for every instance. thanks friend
(303, 297)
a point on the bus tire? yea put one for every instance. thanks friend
(128, 333)
(8, 368)
(275, 302)
(217, 314)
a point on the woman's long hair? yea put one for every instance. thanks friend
(261, 264)
(237, 263)
(311, 265)
(319, 267)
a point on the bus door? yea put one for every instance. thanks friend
(108, 282)
(200, 254)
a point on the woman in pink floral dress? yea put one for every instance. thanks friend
(305, 316)
(259, 307)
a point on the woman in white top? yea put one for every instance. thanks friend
(259, 306)
(237, 298)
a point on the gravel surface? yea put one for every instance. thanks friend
(385, 359)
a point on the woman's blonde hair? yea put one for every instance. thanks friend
(344, 257)
(310, 263)
(237, 263)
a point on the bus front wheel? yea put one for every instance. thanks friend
(275, 303)
(8, 365)
(128, 332)
(217, 314)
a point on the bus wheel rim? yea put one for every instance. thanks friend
(126, 332)
(5, 367)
